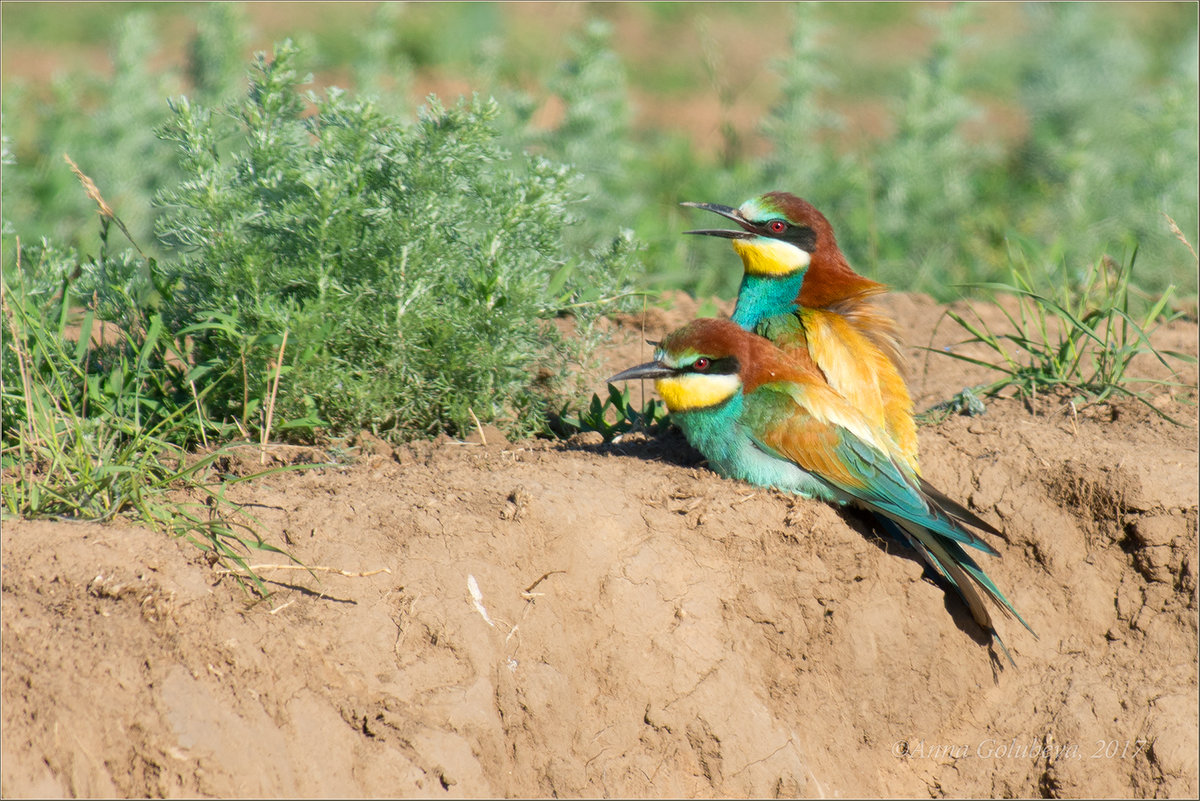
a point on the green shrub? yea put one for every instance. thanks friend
(417, 267)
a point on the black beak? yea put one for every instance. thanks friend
(725, 211)
(647, 370)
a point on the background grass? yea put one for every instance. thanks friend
(929, 134)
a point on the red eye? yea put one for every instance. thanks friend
(701, 364)
(777, 226)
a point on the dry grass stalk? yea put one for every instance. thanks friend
(1180, 236)
(266, 432)
(89, 187)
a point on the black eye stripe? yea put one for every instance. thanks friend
(724, 366)
(801, 236)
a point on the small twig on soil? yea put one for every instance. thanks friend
(315, 568)
(479, 428)
(281, 607)
(527, 593)
(477, 598)
(642, 381)
(266, 433)
(743, 500)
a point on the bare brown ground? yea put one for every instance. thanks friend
(576, 619)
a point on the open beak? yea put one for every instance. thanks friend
(725, 211)
(647, 370)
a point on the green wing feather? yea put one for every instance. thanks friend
(786, 424)
(783, 424)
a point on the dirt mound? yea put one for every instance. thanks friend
(583, 618)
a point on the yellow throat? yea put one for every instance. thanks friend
(770, 256)
(690, 391)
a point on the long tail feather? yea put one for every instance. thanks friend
(960, 570)
(976, 572)
(956, 510)
(945, 562)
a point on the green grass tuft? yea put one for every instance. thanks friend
(96, 418)
(1081, 337)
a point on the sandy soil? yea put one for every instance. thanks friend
(575, 618)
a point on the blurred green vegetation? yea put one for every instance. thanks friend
(929, 135)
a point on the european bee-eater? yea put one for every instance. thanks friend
(798, 291)
(769, 417)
